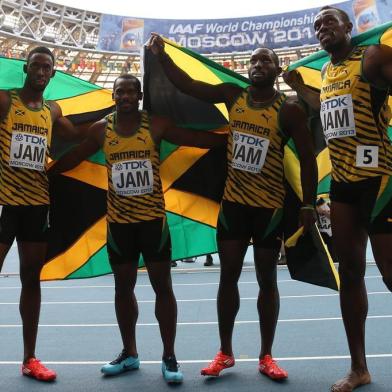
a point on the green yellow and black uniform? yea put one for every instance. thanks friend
(135, 204)
(24, 192)
(355, 116)
(254, 190)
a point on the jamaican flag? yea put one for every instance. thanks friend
(77, 246)
(193, 179)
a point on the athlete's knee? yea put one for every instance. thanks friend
(162, 287)
(30, 276)
(123, 287)
(268, 284)
(351, 274)
(229, 275)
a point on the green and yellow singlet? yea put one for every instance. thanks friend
(25, 136)
(355, 117)
(135, 190)
(255, 154)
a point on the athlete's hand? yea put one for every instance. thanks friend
(293, 78)
(307, 218)
(156, 44)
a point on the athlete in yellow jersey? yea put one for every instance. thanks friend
(354, 111)
(27, 122)
(261, 120)
(136, 213)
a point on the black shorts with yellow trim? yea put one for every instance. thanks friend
(372, 197)
(127, 241)
(24, 223)
(241, 222)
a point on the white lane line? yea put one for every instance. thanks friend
(155, 324)
(111, 286)
(152, 301)
(195, 361)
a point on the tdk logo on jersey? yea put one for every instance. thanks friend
(335, 103)
(249, 140)
(31, 139)
(134, 165)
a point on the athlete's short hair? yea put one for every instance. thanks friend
(344, 15)
(274, 55)
(40, 49)
(130, 77)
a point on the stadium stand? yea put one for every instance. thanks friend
(72, 34)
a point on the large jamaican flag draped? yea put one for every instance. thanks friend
(193, 179)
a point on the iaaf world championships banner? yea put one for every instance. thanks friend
(290, 29)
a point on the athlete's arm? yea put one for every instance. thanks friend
(164, 128)
(377, 65)
(4, 104)
(294, 123)
(295, 81)
(224, 92)
(88, 147)
(62, 127)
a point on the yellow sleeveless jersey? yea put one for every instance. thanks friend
(135, 190)
(355, 117)
(255, 154)
(24, 149)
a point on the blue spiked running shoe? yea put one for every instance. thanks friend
(170, 371)
(121, 364)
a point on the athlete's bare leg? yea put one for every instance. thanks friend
(127, 312)
(382, 251)
(268, 302)
(165, 303)
(4, 248)
(32, 256)
(350, 239)
(231, 254)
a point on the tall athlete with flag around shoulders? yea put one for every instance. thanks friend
(261, 120)
(27, 124)
(353, 103)
(137, 224)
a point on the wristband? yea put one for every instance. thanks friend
(307, 207)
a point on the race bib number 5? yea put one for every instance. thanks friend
(28, 151)
(133, 178)
(367, 156)
(249, 152)
(337, 117)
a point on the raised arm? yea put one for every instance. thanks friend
(294, 123)
(164, 128)
(377, 65)
(207, 92)
(295, 81)
(89, 146)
